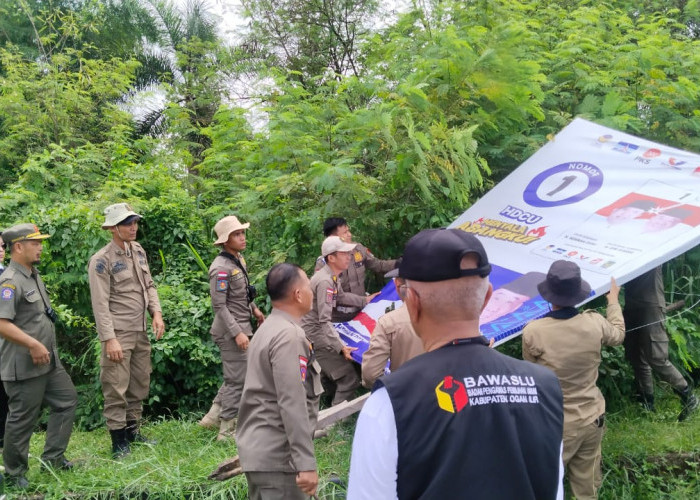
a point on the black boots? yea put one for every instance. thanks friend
(122, 439)
(647, 401)
(133, 433)
(120, 444)
(689, 403)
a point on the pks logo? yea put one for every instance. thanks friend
(451, 395)
(520, 215)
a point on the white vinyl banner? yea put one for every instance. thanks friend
(614, 204)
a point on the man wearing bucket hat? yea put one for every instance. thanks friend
(332, 354)
(569, 343)
(232, 296)
(29, 364)
(122, 291)
(461, 420)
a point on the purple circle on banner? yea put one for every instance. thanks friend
(593, 174)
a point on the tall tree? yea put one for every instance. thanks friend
(310, 38)
(184, 63)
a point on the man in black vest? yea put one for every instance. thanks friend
(461, 420)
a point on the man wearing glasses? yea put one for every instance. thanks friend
(461, 420)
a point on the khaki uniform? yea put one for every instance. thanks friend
(646, 345)
(326, 341)
(3, 399)
(571, 347)
(393, 339)
(232, 311)
(279, 407)
(122, 290)
(23, 299)
(352, 281)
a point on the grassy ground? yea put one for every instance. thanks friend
(651, 455)
(175, 468)
(646, 456)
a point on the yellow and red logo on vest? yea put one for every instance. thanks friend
(451, 395)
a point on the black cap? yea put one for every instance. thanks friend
(436, 255)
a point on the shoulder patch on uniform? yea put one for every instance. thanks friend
(7, 293)
(329, 295)
(303, 363)
(118, 267)
(100, 266)
(358, 256)
(221, 281)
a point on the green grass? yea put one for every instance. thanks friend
(645, 456)
(651, 455)
(175, 468)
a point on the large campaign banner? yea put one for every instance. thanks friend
(615, 204)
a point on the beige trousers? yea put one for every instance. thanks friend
(273, 486)
(125, 385)
(582, 457)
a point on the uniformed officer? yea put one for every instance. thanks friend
(352, 280)
(29, 364)
(393, 340)
(122, 290)
(332, 354)
(281, 394)
(232, 297)
(646, 344)
(3, 395)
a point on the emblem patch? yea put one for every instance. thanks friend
(222, 281)
(303, 363)
(7, 293)
(118, 267)
(329, 295)
(358, 259)
(100, 266)
(237, 274)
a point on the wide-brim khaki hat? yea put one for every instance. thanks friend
(117, 213)
(335, 244)
(226, 226)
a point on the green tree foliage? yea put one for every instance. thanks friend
(309, 38)
(48, 109)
